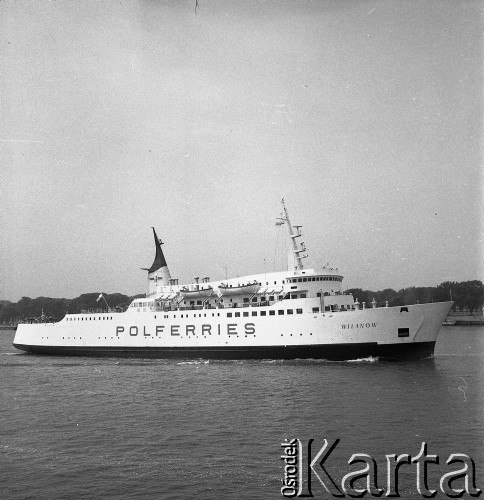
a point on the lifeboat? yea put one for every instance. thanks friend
(201, 293)
(245, 289)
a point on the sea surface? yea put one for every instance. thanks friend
(153, 429)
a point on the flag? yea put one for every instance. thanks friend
(100, 297)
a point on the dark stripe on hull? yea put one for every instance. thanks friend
(333, 352)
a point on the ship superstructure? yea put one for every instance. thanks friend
(296, 313)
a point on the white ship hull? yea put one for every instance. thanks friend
(408, 332)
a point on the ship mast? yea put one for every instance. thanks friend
(298, 249)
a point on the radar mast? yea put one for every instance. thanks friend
(298, 249)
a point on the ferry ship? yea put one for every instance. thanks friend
(291, 314)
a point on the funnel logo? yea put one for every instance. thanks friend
(303, 467)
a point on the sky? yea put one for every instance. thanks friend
(365, 116)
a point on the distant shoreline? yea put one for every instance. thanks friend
(461, 322)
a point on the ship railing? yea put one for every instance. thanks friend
(218, 305)
(100, 310)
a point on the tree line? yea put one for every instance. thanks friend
(12, 312)
(466, 295)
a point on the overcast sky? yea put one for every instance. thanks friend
(366, 116)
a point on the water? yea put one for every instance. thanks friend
(108, 428)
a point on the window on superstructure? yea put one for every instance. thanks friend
(254, 299)
(298, 311)
(263, 313)
(290, 311)
(271, 297)
(246, 313)
(229, 315)
(237, 315)
(280, 312)
(303, 296)
(246, 300)
(272, 313)
(254, 313)
(318, 294)
(315, 309)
